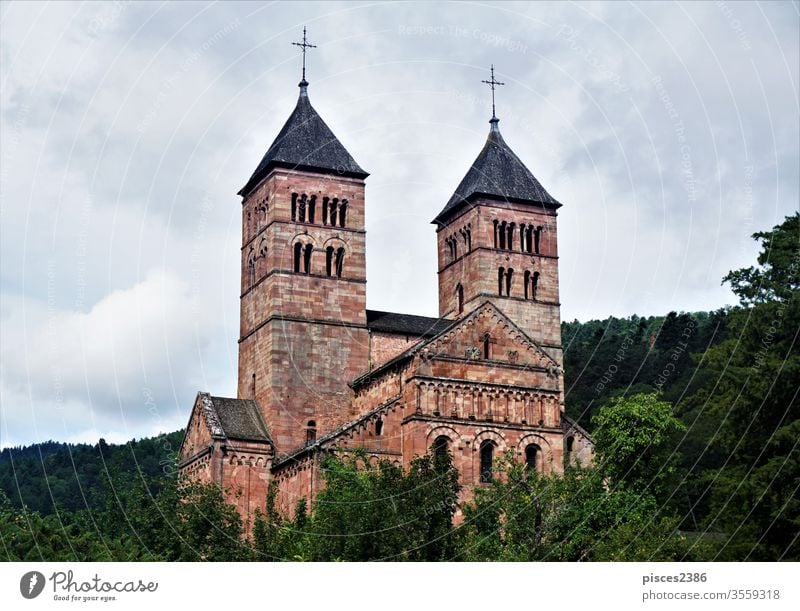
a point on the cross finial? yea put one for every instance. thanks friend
(492, 83)
(304, 45)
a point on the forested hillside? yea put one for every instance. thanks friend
(696, 419)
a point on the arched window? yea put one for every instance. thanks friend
(511, 227)
(294, 206)
(301, 208)
(500, 273)
(251, 268)
(324, 210)
(334, 206)
(329, 260)
(537, 235)
(441, 445)
(312, 208)
(460, 298)
(568, 443)
(469, 239)
(339, 262)
(487, 346)
(378, 427)
(342, 212)
(527, 279)
(311, 432)
(509, 277)
(503, 231)
(298, 251)
(534, 285)
(522, 237)
(307, 258)
(531, 456)
(487, 460)
(495, 233)
(528, 238)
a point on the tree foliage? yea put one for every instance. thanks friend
(695, 417)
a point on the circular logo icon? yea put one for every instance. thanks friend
(31, 584)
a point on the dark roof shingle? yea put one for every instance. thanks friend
(406, 324)
(240, 419)
(305, 142)
(498, 173)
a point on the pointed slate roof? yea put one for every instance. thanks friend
(498, 173)
(305, 143)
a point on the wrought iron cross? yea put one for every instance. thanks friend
(305, 45)
(492, 84)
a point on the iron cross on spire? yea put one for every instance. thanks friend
(305, 45)
(492, 84)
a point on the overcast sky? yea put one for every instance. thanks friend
(668, 131)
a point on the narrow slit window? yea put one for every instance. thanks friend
(531, 454)
(298, 250)
(334, 206)
(307, 258)
(339, 262)
(487, 460)
(329, 260)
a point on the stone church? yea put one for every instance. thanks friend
(320, 373)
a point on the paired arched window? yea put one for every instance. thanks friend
(302, 257)
(311, 432)
(487, 461)
(505, 277)
(531, 284)
(334, 261)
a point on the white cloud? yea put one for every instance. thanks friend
(127, 128)
(128, 364)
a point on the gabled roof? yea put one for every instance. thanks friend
(406, 324)
(419, 346)
(498, 173)
(233, 418)
(305, 143)
(345, 428)
(240, 419)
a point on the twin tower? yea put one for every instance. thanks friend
(319, 372)
(305, 328)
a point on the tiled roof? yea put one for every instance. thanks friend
(240, 419)
(499, 174)
(305, 143)
(406, 324)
